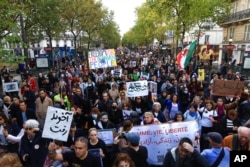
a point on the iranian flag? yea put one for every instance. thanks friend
(185, 55)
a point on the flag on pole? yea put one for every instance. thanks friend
(185, 55)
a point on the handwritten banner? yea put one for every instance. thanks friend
(138, 88)
(102, 58)
(227, 87)
(57, 124)
(160, 138)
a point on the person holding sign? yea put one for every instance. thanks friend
(79, 157)
(94, 142)
(184, 155)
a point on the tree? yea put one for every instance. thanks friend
(9, 15)
(109, 31)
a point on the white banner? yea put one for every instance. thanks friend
(160, 138)
(57, 124)
(138, 88)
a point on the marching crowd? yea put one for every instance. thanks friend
(97, 98)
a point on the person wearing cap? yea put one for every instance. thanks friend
(239, 141)
(33, 148)
(184, 155)
(138, 153)
(217, 156)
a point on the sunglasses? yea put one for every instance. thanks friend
(28, 128)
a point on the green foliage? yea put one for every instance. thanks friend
(156, 17)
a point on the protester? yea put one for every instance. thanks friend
(42, 104)
(33, 149)
(104, 122)
(24, 113)
(127, 125)
(230, 123)
(239, 141)
(77, 157)
(149, 119)
(10, 160)
(123, 160)
(158, 113)
(138, 153)
(173, 106)
(94, 142)
(184, 155)
(216, 156)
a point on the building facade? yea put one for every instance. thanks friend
(235, 47)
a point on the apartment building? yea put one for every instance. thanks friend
(236, 35)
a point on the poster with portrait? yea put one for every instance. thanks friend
(11, 87)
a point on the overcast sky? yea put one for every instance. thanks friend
(124, 12)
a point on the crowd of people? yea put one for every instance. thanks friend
(98, 97)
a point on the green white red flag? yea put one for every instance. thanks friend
(184, 56)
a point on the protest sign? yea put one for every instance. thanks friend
(153, 90)
(11, 87)
(57, 124)
(116, 72)
(102, 58)
(126, 113)
(160, 138)
(201, 74)
(227, 87)
(144, 75)
(138, 88)
(107, 135)
(144, 61)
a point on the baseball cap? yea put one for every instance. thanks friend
(133, 138)
(215, 137)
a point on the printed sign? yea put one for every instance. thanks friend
(107, 136)
(160, 138)
(116, 72)
(138, 88)
(42, 62)
(11, 87)
(57, 124)
(227, 87)
(201, 74)
(102, 58)
(144, 61)
(126, 113)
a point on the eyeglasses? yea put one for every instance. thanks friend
(28, 128)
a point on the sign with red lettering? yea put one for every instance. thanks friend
(160, 138)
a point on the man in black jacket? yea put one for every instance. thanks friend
(184, 155)
(138, 153)
(24, 114)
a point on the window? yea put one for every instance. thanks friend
(247, 32)
(235, 7)
(231, 33)
(206, 39)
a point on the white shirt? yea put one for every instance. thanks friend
(205, 119)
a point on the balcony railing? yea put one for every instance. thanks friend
(244, 14)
